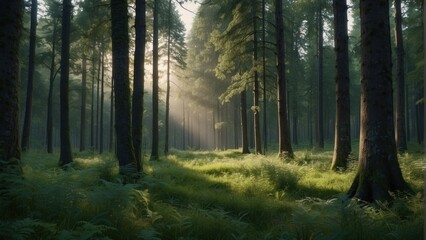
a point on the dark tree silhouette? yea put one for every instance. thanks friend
(120, 74)
(10, 33)
(25, 144)
(65, 155)
(155, 137)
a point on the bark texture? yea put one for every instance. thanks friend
(284, 145)
(379, 172)
(243, 110)
(120, 72)
(342, 138)
(10, 33)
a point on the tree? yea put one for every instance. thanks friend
(256, 92)
(285, 149)
(401, 140)
(320, 113)
(342, 138)
(65, 155)
(120, 74)
(378, 172)
(169, 27)
(31, 68)
(10, 33)
(243, 110)
(138, 82)
(83, 106)
(155, 137)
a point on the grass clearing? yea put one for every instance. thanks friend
(202, 195)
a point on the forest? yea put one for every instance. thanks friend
(258, 119)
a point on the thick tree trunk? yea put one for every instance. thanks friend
(65, 155)
(155, 130)
(342, 138)
(25, 144)
(400, 133)
(256, 92)
(379, 172)
(10, 33)
(284, 145)
(120, 74)
(138, 82)
(83, 107)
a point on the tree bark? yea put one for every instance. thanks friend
(120, 73)
(265, 129)
(25, 144)
(166, 140)
(65, 155)
(92, 108)
(244, 135)
(138, 82)
(401, 139)
(83, 107)
(342, 138)
(11, 13)
(101, 122)
(379, 172)
(52, 76)
(256, 106)
(284, 145)
(320, 127)
(155, 130)
(111, 118)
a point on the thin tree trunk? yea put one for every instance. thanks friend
(265, 129)
(97, 99)
(243, 110)
(166, 143)
(111, 118)
(25, 144)
(401, 140)
(92, 108)
(101, 124)
(256, 106)
(284, 145)
(138, 82)
(155, 130)
(120, 74)
(52, 76)
(320, 128)
(342, 139)
(11, 14)
(65, 155)
(83, 107)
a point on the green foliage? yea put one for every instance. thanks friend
(202, 195)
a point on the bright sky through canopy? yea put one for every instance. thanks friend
(188, 16)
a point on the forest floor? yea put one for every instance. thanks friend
(203, 195)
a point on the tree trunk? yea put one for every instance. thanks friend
(138, 82)
(284, 145)
(379, 172)
(120, 74)
(11, 13)
(256, 106)
(342, 138)
(65, 155)
(166, 140)
(83, 107)
(52, 76)
(401, 140)
(155, 130)
(25, 144)
(92, 108)
(97, 99)
(265, 129)
(320, 127)
(111, 118)
(101, 122)
(244, 135)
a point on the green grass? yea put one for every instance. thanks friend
(202, 195)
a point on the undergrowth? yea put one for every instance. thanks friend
(202, 195)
